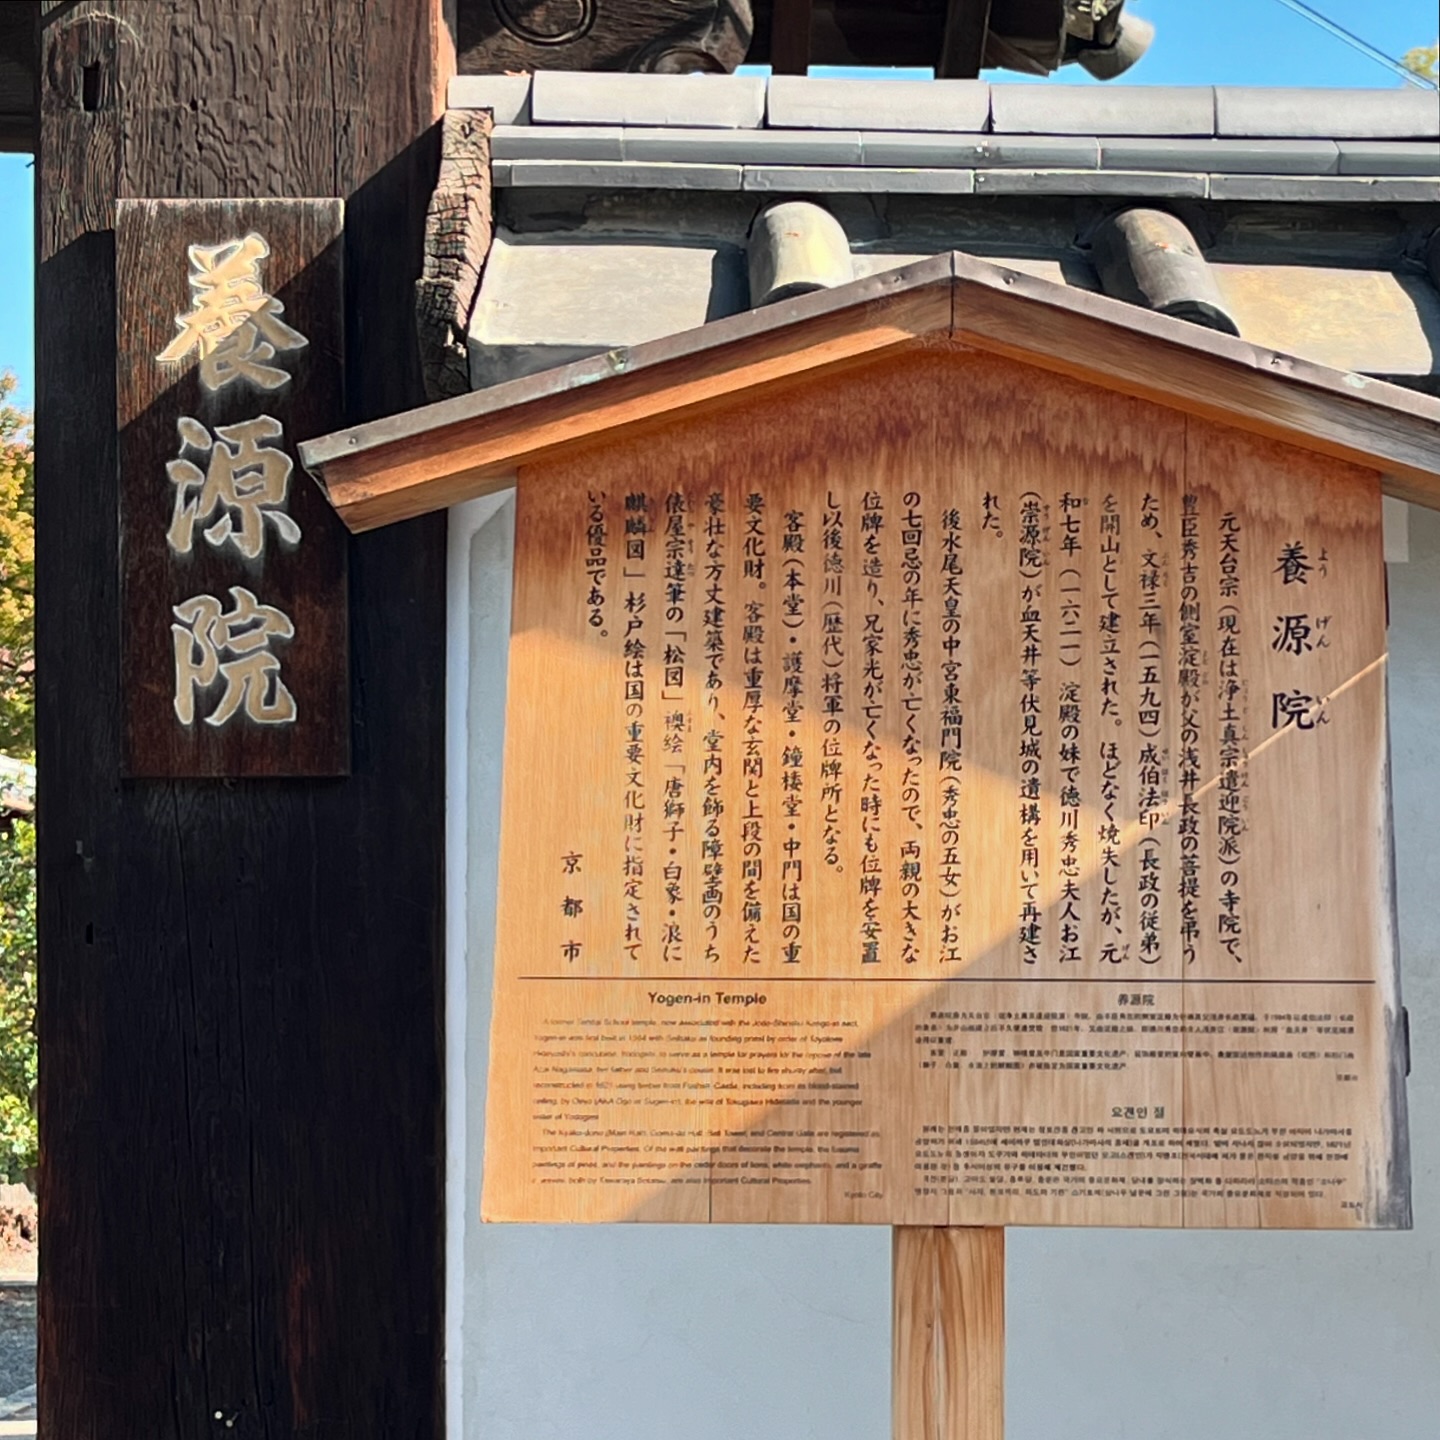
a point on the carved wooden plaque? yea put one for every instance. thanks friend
(235, 638)
(947, 794)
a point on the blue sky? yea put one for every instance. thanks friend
(1260, 42)
(17, 293)
(1199, 42)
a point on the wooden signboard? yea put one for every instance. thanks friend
(234, 628)
(945, 793)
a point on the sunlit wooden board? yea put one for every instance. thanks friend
(947, 793)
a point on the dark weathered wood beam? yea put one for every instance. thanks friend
(790, 36)
(962, 47)
(859, 32)
(666, 35)
(240, 982)
(19, 51)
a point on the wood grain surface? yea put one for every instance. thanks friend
(948, 1333)
(500, 37)
(947, 793)
(241, 1108)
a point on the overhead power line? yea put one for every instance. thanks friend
(1356, 43)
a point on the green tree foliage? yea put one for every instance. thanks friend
(18, 1060)
(18, 1139)
(1423, 60)
(17, 578)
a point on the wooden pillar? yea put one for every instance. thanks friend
(962, 43)
(948, 1337)
(790, 36)
(240, 982)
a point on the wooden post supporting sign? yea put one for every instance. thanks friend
(948, 1336)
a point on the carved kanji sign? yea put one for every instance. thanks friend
(234, 628)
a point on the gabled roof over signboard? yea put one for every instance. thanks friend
(456, 449)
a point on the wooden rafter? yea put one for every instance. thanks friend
(962, 47)
(790, 36)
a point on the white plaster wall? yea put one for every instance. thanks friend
(659, 1333)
